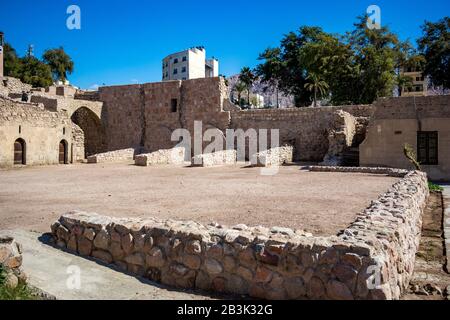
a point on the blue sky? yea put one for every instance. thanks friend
(123, 42)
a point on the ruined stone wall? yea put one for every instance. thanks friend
(41, 130)
(113, 156)
(372, 259)
(122, 116)
(78, 152)
(396, 123)
(11, 261)
(307, 129)
(174, 156)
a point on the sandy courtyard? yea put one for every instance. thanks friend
(321, 203)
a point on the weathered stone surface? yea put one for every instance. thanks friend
(338, 291)
(101, 241)
(213, 267)
(84, 246)
(136, 259)
(155, 258)
(193, 262)
(102, 256)
(295, 288)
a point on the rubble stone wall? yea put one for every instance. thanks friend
(11, 261)
(112, 156)
(173, 156)
(372, 259)
(218, 158)
(273, 157)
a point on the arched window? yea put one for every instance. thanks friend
(63, 152)
(20, 152)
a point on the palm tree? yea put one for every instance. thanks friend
(240, 87)
(247, 77)
(317, 85)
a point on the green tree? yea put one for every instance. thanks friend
(35, 72)
(240, 87)
(376, 51)
(316, 85)
(60, 63)
(247, 77)
(11, 61)
(435, 46)
(270, 71)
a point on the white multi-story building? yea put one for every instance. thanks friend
(189, 64)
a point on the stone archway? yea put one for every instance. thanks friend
(89, 133)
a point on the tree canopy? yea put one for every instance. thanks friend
(435, 46)
(60, 63)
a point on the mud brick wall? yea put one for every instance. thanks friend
(276, 263)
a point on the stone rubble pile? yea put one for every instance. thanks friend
(11, 261)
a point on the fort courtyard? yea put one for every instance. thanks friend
(316, 202)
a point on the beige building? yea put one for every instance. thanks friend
(419, 85)
(189, 64)
(421, 122)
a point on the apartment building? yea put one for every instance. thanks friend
(189, 64)
(419, 85)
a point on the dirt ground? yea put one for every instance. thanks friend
(430, 279)
(320, 203)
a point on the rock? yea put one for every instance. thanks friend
(316, 288)
(219, 284)
(11, 281)
(229, 263)
(215, 251)
(193, 247)
(263, 275)
(338, 291)
(116, 251)
(89, 234)
(135, 259)
(346, 274)
(179, 269)
(247, 257)
(295, 288)
(102, 256)
(269, 258)
(84, 246)
(63, 233)
(127, 243)
(245, 273)
(236, 285)
(352, 259)
(191, 261)
(155, 258)
(212, 266)
(72, 244)
(101, 241)
(202, 281)
(257, 291)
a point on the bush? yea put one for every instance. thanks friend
(435, 187)
(21, 292)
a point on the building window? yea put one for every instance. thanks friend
(184, 58)
(173, 105)
(427, 147)
(175, 60)
(183, 69)
(175, 71)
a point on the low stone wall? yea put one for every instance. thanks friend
(173, 156)
(273, 157)
(392, 172)
(113, 156)
(219, 158)
(11, 261)
(372, 259)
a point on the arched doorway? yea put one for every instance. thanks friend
(63, 152)
(20, 152)
(88, 133)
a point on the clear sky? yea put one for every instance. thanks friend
(122, 42)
